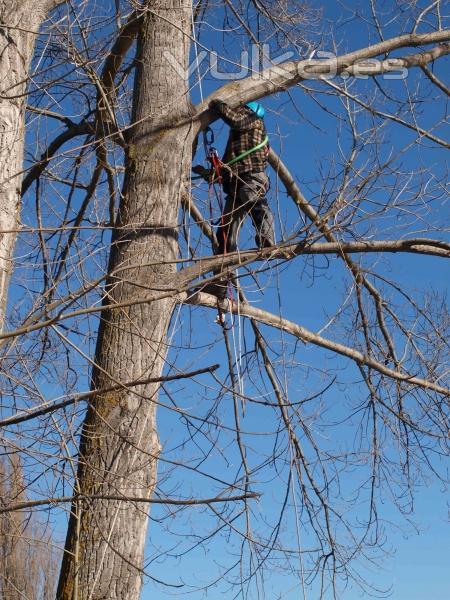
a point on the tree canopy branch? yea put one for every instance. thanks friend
(285, 75)
(134, 499)
(308, 336)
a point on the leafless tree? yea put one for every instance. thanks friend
(287, 449)
(28, 565)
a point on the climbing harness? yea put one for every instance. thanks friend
(215, 172)
(234, 160)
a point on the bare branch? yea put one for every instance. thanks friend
(307, 336)
(184, 279)
(437, 82)
(39, 167)
(53, 405)
(286, 75)
(132, 499)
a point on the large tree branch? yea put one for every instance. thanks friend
(280, 251)
(53, 405)
(285, 75)
(389, 65)
(133, 499)
(122, 44)
(49, 5)
(270, 81)
(307, 336)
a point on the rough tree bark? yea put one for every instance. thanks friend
(18, 22)
(119, 446)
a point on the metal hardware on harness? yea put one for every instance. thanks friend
(208, 136)
(216, 164)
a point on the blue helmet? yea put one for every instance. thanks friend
(257, 108)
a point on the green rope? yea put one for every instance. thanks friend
(240, 156)
(247, 152)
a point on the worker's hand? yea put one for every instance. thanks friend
(202, 171)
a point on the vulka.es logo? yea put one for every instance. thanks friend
(257, 63)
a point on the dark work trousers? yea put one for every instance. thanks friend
(246, 195)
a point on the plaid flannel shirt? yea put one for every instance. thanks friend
(247, 131)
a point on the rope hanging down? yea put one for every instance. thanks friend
(215, 176)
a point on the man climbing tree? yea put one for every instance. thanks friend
(242, 174)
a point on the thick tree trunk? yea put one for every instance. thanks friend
(17, 20)
(119, 446)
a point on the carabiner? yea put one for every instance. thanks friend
(209, 136)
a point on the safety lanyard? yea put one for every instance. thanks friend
(247, 152)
